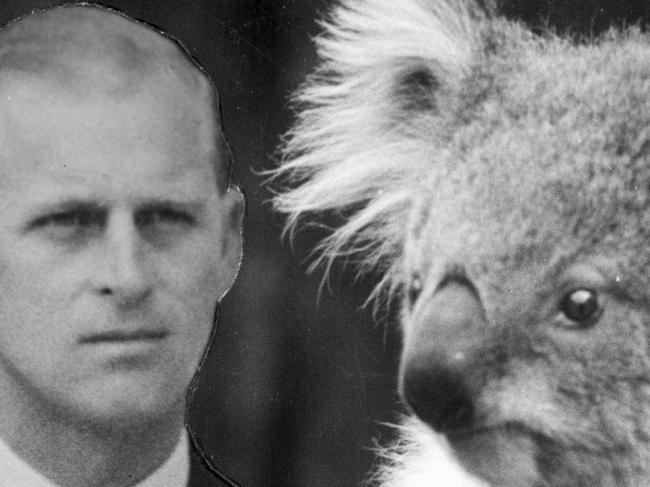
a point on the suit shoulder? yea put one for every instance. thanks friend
(204, 474)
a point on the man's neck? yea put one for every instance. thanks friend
(86, 453)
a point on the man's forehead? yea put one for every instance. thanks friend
(87, 49)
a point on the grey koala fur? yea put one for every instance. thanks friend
(500, 182)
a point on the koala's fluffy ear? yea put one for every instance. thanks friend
(381, 63)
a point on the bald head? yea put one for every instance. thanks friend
(84, 52)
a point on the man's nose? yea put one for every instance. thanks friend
(126, 275)
(440, 372)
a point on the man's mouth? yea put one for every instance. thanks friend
(120, 336)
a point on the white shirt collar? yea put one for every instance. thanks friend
(175, 472)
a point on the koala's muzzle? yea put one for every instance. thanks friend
(440, 373)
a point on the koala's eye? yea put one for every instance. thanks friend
(581, 306)
(414, 289)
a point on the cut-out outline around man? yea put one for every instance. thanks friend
(119, 234)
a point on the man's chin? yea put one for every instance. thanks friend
(126, 413)
(503, 457)
(126, 402)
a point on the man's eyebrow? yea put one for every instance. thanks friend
(183, 204)
(88, 203)
(67, 205)
(46, 209)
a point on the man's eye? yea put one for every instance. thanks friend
(164, 217)
(68, 225)
(68, 219)
(582, 307)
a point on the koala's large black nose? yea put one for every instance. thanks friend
(438, 396)
(440, 374)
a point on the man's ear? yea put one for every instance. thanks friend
(234, 205)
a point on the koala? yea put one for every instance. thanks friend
(498, 181)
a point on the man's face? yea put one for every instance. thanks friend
(114, 247)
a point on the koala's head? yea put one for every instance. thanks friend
(501, 182)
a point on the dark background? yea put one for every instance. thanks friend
(297, 385)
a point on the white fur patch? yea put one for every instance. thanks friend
(420, 458)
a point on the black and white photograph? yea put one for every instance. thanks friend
(317, 243)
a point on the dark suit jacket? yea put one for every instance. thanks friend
(202, 474)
